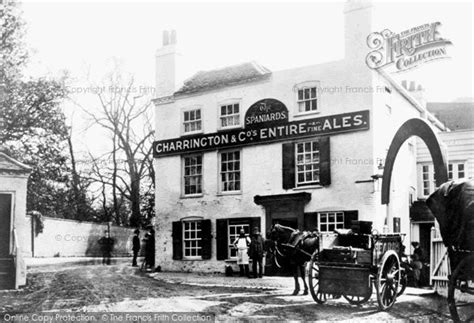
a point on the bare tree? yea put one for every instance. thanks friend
(80, 201)
(125, 114)
(96, 176)
(81, 205)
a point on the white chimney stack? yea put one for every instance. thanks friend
(418, 93)
(166, 65)
(358, 25)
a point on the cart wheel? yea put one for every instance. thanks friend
(403, 282)
(318, 297)
(461, 281)
(358, 300)
(388, 279)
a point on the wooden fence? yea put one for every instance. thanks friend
(439, 262)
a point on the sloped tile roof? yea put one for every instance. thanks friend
(455, 115)
(227, 76)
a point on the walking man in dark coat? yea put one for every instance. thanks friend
(136, 247)
(256, 252)
(106, 244)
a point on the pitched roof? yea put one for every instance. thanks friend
(456, 115)
(227, 76)
(8, 164)
(419, 212)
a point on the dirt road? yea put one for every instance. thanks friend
(122, 288)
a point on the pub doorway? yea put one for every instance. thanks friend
(284, 209)
(425, 245)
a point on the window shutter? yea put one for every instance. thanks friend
(350, 216)
(177, 240)
(221, 239)
(288, 166)
(206, 239)
(311, 221)
(325, 162)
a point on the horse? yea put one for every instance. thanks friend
(294, 248)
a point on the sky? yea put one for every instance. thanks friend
(82, 37)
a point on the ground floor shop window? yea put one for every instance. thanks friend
(227, 231)
(330, 221)
(192, 239)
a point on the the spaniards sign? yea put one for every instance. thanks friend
(262, 132)
(264, 111)
(408, 49)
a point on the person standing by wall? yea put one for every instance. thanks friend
(135, 247)
(106, 244)
(150, 248)
(241, 244)
(418, 251)
(256, 252)
(417, 262)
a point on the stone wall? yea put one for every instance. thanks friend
(69, 238)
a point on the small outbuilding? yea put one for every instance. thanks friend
(14, 228)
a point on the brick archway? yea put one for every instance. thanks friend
(414, 127)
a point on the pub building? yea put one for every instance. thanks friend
(243, 146)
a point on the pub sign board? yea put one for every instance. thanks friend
(266, 111)
(265, 132)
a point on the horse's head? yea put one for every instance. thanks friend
(448, 200)
(280, 234)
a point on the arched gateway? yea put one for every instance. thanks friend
(414, 127)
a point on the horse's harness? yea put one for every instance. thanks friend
(294, 244)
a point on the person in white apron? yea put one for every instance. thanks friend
(242, 244)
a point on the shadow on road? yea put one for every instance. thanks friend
(87, 288)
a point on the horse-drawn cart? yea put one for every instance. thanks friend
(349, 265)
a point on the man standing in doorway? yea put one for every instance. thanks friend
(418, 251)
(417, 262)
(256, 252)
